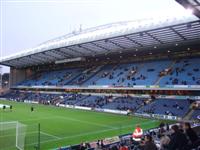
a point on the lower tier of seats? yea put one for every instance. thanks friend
(172, 107)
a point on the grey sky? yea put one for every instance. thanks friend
(27, 23)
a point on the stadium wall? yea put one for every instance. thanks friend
(18, 75)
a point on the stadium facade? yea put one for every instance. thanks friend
(137, 38)
(156, 56)
(148, 68)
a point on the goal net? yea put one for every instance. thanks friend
(12, 135)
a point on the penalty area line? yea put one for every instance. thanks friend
(92, 133)
(55, 137)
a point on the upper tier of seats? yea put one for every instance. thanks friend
(184, 72)
(162, 72)
(58, 78)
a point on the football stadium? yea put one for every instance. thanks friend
(132, 85)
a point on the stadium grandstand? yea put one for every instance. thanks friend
(144, 69)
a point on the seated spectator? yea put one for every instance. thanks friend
(161, 130)
(148, 143)
(98, 147)
(82, 146)
(164, 142)
(138, 133)
(192, 136)
(167, 126)
(180, 127)
(178, 139)
(123, 147)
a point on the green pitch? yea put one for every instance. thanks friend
(61, 126)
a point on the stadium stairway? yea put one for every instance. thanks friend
(114, 67)
(188, 115)
(94, 72)
(83, 98)
(87, 74)
(69, 100)
(140, 106)
(159, 78)
(74, 78)
(98, 78)
(137, 72)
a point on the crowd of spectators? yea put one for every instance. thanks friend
(172, 107)
(182, 72)
(84, 76)
(94, 101)
(177, 137)
(124, 103)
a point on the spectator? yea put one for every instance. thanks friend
(192, 136)
(98, 147)
(82, 146)
(32, 108)
(161, 130)
(181, 127)
(178, 139)
(101, 144)
(123, 147)
(138, 133)
(164, 142)
(148, 143)
(11, 107)
(4, 107)
(167, 126)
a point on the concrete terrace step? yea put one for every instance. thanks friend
(159, 78)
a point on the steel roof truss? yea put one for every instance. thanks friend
(45, 57)
(76, 51)
(100, 46)
(32, 60)
(87, 49)
(94, 47)
(178, 33)
(56, 55)
(157, 39)
(49, 55)
(40, 60)
(117, 44)
(72, 53)
(63, 53)
(135, 42)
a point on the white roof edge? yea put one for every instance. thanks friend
(102, 32)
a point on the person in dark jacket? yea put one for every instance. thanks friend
(32, 108)
(192, 135)
(4, 107)
(82, 146)
(148, 143)
(178, 139)
(11, 107)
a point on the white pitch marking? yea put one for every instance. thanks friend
(90, 133)
(56, 137)
(86, 122)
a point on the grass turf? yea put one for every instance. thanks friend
(61, 126)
